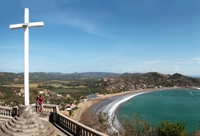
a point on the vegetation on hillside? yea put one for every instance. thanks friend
(134, 126)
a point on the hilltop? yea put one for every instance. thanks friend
(149, 79)
(154, 79)
(8, 78)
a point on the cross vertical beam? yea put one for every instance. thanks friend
(26, 57)
(26, 26)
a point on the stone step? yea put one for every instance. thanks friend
(8, 132)
(31, 120)
(47, 133)
(28, 126)
(14, 123)
(18, 125)
(44, 129)
(2, 133)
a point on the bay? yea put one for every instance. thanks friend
(181, 105)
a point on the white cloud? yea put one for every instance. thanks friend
(79, 22)
(189, 61)
(196, 59)
(184, 62)
(153, 62)
(154, 70)
(55, 13)
(74, 20)
(176, 68)
(11, 48)
(103, 64)
(117, 61)
(116, 71)
(129, 70)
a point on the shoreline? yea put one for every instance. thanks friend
(93, 105)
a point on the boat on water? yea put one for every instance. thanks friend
(191, 94)
(196, 88)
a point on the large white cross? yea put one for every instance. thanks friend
(26, 26)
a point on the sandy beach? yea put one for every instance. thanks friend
(94, 104)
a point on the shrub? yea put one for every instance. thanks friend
(136, 126)
(99, 122)
(167, 128)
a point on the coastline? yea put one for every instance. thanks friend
(93, 105)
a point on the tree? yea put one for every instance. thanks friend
(99, 122)
(167, 128)
(136, 126)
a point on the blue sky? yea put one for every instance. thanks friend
(103, 36)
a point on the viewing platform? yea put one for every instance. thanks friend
(23, 120)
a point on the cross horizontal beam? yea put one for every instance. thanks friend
(23, 25)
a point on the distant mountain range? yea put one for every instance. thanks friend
(154, 78)
(6, 77)
(129, 78)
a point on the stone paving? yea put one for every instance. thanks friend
(29, 125)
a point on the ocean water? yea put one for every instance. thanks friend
(181, 105)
